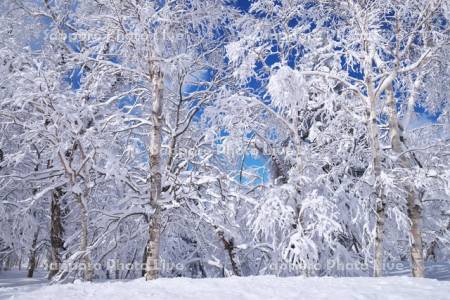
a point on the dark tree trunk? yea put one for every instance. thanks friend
(56, 232)
(229, 246)
(144, 260)
(32, 259)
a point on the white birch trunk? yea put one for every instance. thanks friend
(376, 164)
(413, 201)
(88, 271)
(152, 263)
(415, 215)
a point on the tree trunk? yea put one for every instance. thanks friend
(88, 271)
(56, 231)
(144, 260)
(379, 236)
(231, 250)
(415, 215)
(413, 201)
(376, 164)
(32, 258)
(152, 264)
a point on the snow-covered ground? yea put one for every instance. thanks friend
(261, 287)
(18, 278)
(12, 281)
